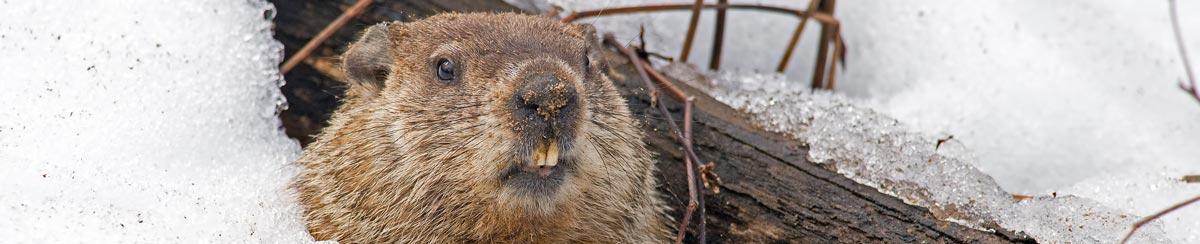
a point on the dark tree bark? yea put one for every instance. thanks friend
(769, 191)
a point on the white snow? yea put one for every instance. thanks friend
(143, 121)
(1039, 73)
(1144, 192)
(1048, 93)
(1049, 98)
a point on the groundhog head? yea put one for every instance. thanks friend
(483, 125)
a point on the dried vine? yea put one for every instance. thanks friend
(1190, 88)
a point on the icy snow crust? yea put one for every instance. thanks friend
(143, 122)
(877, 150)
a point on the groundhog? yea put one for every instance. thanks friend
(480, 128)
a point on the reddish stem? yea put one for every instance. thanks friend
(693, 170)
(1147, 219)
(787, 55)
(312, 44)
(691, 31)
(820, 17)
(714, 60)
(1189, 87)
(646, 72)
(822, 14)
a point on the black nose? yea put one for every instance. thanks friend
(545, 103)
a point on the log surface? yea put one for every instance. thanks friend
(770, 192)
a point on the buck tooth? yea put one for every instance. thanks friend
(539, 158)
(552, 154)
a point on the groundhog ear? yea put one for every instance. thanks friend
(589, 33)
(367, 62)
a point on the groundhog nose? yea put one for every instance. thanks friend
(544, 100)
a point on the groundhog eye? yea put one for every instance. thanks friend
(445, 70)
(587, 63)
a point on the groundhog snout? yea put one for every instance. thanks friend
(545, 103)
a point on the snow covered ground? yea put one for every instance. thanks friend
(146, 121)
(1047, 98)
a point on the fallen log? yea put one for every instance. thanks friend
(769, 191)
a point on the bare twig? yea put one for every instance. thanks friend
(689, 152)
(647, 72)
(694, 170)
(326, 66)
(693, 196)
(819, 16)
(827, 35)
(823, 14)
(661, 80)
(837, 56)
(691, 32)
(787, 55)
(1147, 219)
(941, 141)
(714, 60)
(1190, 88)
(676, 93)
(312, 44)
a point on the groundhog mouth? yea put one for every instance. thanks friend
(539, 173)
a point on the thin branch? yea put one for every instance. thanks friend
(676, 93)
(714, 60)
(818, 16)
(1147, 219)
(822, 13)
(326, 66)
(689, 152)
(828, 33)
(661, 80)
(646, 72)
(838, 49)
(787, 55)
(694, 170)
(312, 44)
(1190, 87)
(691, 31)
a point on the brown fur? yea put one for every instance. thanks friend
(413, 159)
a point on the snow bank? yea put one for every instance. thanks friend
(923, 170)
(1048, 93)
(142, 121)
